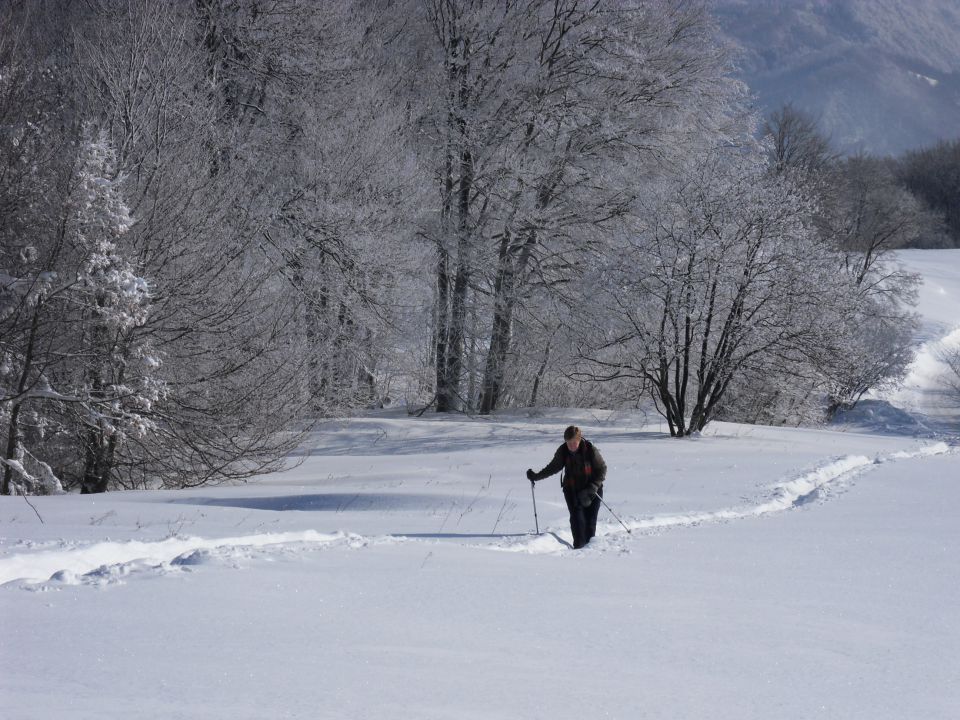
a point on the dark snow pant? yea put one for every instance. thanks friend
(583, 520)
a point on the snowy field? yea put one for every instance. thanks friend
(769, 573)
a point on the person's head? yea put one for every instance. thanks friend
(572, 436)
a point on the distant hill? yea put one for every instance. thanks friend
(882, 76)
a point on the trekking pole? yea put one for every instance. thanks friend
(614, 514)
(534, 496)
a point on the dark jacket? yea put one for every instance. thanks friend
(582, 469)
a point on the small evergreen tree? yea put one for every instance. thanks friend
(116, 378)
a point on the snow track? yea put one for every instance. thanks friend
(108, 562)
(807, 487)
(111, 562)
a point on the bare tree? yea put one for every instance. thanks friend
(950, 357)
(534, 121)
(798, 146)
(36, 178)
(868, 215)
(723, 274)
(198, 210)
(194, 165)
(865, 213)
(873, 353)
(595, 119)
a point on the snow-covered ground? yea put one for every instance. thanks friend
(768, 573)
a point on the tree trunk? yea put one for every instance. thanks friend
(95, 474)
(444, 397)
(505, 300)
(13, 434)
(496, 358)
(542, 369)
(455, 342)
(13, 443)
(500, 335)
(449, 388)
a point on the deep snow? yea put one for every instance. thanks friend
(770, 573)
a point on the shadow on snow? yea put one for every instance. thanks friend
(326, 502)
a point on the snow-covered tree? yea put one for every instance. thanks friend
(950, 357)
(867, 215)
(722, 274)
(181, 105)
(798, 147)
(334, 204)
(536, 122)
(116, 376)
(36, 159)
(933, 175)
(613, 94)
(75, 372)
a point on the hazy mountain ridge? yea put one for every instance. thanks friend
(883, 76)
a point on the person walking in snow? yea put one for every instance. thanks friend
(582, 481)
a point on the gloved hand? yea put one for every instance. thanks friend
(586, 496)
(531, 475)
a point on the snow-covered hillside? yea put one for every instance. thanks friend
(926, 404)
(395, 572)
(882, 76)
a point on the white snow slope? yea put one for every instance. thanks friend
(769, 573)
(925, 393)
